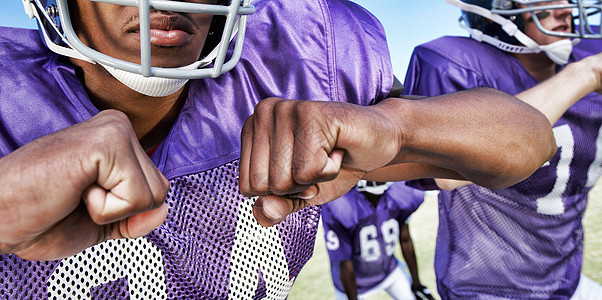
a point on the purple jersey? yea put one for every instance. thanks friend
(356, 230)
(525, 241)
(210, 246)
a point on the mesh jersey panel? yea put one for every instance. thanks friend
(210, 247)
(513, 250)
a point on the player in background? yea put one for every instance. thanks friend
(525, 241)
(362, 230)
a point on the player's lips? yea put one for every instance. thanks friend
(168, 38)
(562, 28)
(167, 30)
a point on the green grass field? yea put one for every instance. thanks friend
(314, 281)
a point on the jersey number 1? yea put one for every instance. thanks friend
(551, 204)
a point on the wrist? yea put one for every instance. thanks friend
(397, 116)
(589, 70)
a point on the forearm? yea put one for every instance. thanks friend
(297, 153)
(409, 256)
(553, 97)
(348, 279)
(483, 135)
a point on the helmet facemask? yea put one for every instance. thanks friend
(500, 23)
(372, 187)
(229, 20)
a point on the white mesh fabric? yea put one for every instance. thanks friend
(210, 247)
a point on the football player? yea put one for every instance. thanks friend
(525, 241)
(362, 230)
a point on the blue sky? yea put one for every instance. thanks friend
(407, 23)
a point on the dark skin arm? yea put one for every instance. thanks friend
(348, 279)
(318, 150)
(72, 189)
(409, 255)
(585, 77)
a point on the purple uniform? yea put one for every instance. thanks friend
(210, 246)
(526, 241)
(355, 230)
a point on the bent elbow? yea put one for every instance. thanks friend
(528, 160)
(541, 149)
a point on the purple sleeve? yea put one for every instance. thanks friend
(431, 74)
(366, 49)
(450, 64)
(405, 199)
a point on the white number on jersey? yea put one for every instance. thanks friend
(369, 245)
(390, 231)
(332, 241)
(595, 170)
(257, 248)
(136, 260)
(552, 204)
(140, 263)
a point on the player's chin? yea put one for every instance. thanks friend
(172, 57)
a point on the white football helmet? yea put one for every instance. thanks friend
(58, 33)
(372, 187)
(500, 23)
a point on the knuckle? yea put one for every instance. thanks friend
(115, 125)
(280, 187)
(303, 174)
(133, 207)
(160, 197)
(310, 173)
(144, 203)
(311, 109)
(258, 183)
(265, 106)
(307, 166)
(113, 117)
(283, 107)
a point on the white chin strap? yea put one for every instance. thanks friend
(559, 52)
(153, 86)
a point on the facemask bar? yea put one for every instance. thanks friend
(508, 26)
(35, 10)
(558, 51)
(585, 13)
(372, 187)
(145, 68)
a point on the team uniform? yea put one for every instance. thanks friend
(210, 246)
(525, 241)
(356, 230)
